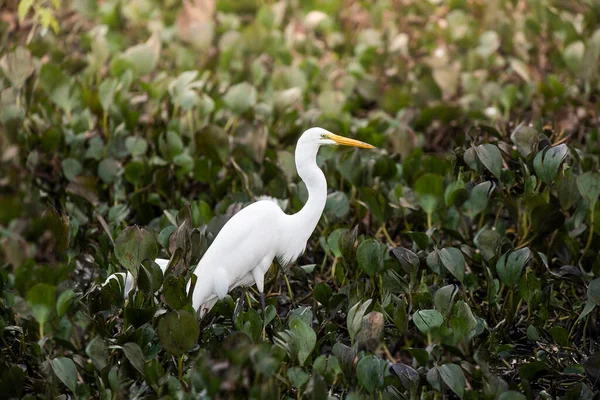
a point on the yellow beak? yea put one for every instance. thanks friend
(344, 141)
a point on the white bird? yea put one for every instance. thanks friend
(246, 246)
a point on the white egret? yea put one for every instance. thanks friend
(248, 243)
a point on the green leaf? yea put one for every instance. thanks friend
(454, 261)
(454, 378)
(42, 301)
(370, 372)
(174, 289)
(240, 98)
(65, 370)
(108, 170)
(488, 241)
(297, 377)
(478, 199)
(430, 191)
(463, 322)
(376, 203)
(64, 301)
(337, 204)
(512, 395)
(143, 57)
(490, 157)
(106, 93)
(589, 187)
(510, 265)
(573, 56)
(24, 7)
(409, 261)
(443, 299)
(178, 331)
(97, 351)
(355, 317)
(547, 162)
(135, 356)
(525, 138)
(370, 255)
(303, 339)
(428, 320)
(18, 65)
(346, 243)
(408, 376)
(133, 246)
(71, 168)
(136, 145)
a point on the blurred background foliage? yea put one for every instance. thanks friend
(459, 259)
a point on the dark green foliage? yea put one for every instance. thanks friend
(459, 259)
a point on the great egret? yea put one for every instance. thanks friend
(248, 243)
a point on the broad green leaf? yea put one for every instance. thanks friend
(135, 356)
(488, 241)
(454, 377)
(133, 246)
(18, 65)
(337, 204)
(106, 92)
(240, 98)
(462, 322)
(490, 157)
(573, 56)
(409, 261)
(408, 376)
(65, 370)
(42, 301)
(428, 320)
(300, 339)
(23, 9)
(567, 188)
(71, 168)
(525, 138)
(370, 372)
(478, 199)
(143, 57)
(510, 265)
(370, 255)
(355, 316)
(64, 301)
(108, 169)
(136, 145)
(443, 299)
(297, 377)
(97, 351)
(454, 261)
(512, 395)
(589, 187)
(429, 189)
(333, 241)
(178, 331)
(547, 162)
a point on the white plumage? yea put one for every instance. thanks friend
(246, 246)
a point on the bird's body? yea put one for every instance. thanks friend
(246, 246)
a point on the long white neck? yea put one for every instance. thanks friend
(308, 217)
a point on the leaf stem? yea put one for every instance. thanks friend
(180, 367)
(590, 235)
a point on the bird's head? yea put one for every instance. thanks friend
(319, 137)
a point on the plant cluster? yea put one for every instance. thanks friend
(459, 259)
